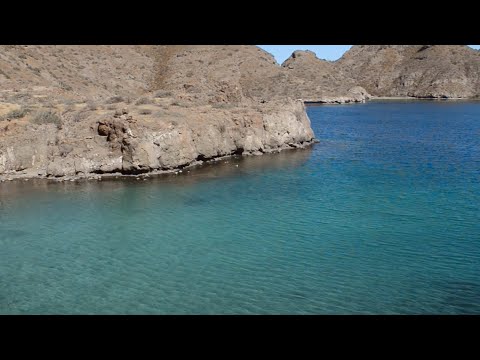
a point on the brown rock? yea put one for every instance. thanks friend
(103, 129)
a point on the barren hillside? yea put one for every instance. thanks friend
(50, 72)
(414, 70)
(201, 74)
(83, 111)
(313, 79)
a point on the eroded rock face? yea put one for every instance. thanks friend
(131, 146)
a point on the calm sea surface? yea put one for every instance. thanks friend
(381, 217)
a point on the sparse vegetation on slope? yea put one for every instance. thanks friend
(46, 117)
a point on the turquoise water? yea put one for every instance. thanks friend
(381, 217)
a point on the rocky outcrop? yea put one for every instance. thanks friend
(127, 144)
(422, 71)
(138, 109)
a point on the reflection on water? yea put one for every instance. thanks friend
(228, 167)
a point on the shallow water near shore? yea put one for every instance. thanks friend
(381, 217)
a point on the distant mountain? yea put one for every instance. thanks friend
(424, 71)
(314, 79)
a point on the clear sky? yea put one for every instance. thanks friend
(328, 52)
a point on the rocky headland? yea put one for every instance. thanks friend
(83, 112)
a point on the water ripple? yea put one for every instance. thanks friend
(381, 217)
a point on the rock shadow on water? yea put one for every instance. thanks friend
(239, 166)
(230, 167)
(224, 168)
(195, 201)
(7, 235)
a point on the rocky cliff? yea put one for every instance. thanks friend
(69, 111)
(132, 143)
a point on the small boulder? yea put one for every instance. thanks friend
(103, 130)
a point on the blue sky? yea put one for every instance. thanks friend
(329, 52)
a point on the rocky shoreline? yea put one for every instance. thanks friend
(26, 175)
(125, 144)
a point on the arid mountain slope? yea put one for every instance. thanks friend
(231, 73)
(200, 74)
(313, 79)
(436, 71)
(74, 111)
(213, 73)
(75, 72)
